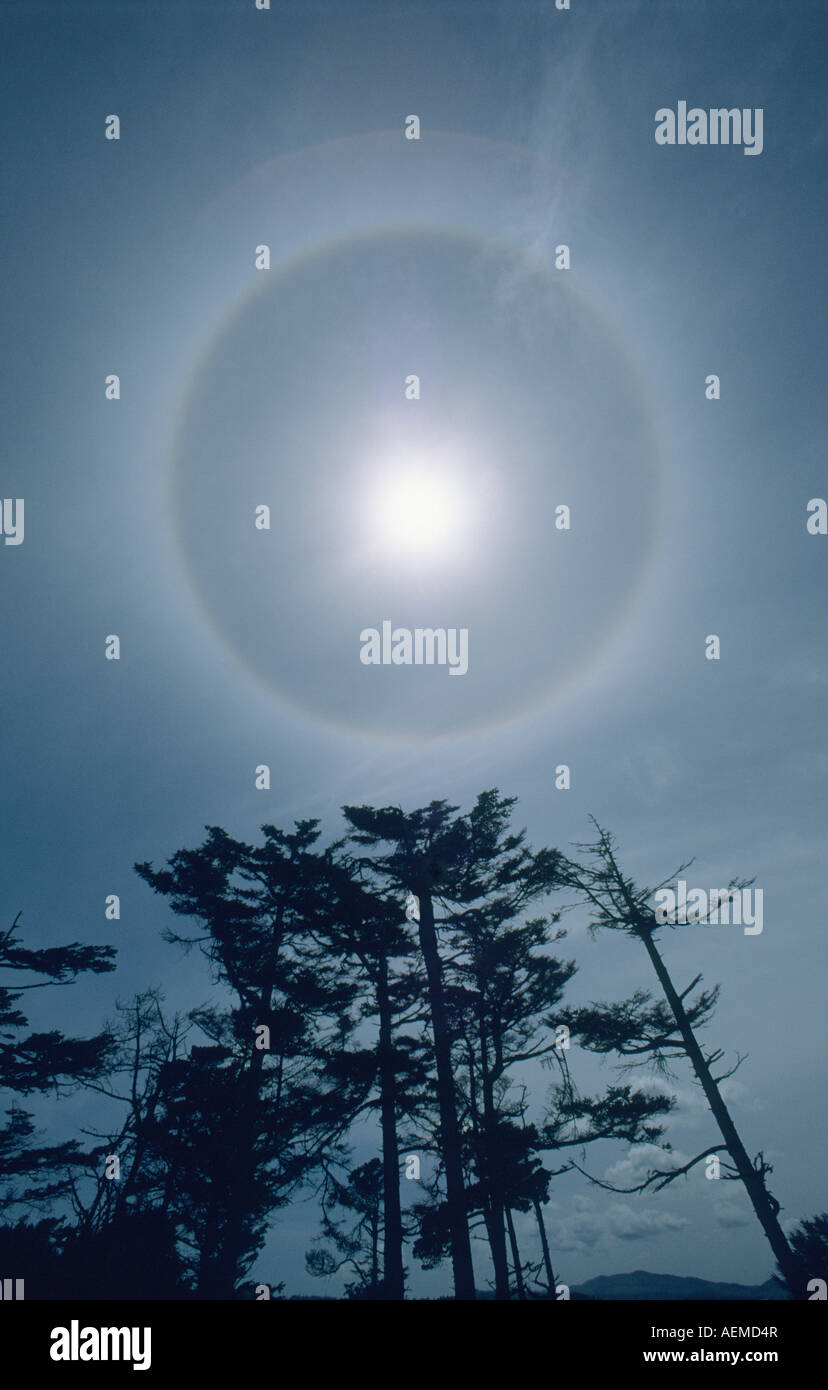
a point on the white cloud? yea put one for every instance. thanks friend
(730, 1213)
(582, 1231)
(631, 1223)
(736, 1094)
(639, 1161)
(585, 1228)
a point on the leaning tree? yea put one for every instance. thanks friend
(650, 1030)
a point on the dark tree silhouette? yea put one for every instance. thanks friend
(422, 861)
(359, 1245)
(133, 1255)
(809, 1243)
(395, 974)
(246, 1125)
(638, 1028)
(41, 1062)
(144, 1043)
(461, 869)
(221, 1148)
(511, 986)
(370, 935)
(32, 1252)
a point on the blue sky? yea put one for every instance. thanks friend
(539, 387)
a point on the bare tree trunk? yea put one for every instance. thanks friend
(393, 1275)
(461, 1258)
(764, 1205)
(547, 1263)
(375, 1250)
(495, 1222)
(521, 1288)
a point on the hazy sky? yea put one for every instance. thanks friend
(539, 387)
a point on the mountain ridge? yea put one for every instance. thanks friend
(643, 1284)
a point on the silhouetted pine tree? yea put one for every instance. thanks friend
(638, 1028)
(144, 1043)
(504, 1014)
(224, 1168)
(40, 1062)
(358, 1244)
(511, 986)
(373, 940)
(132, 1255)
(244, 1127)
(455, 866)
(809, 1243)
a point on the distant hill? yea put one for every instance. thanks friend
(640, 1285)
(643, 1285)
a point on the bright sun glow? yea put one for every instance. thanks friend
(418, 513)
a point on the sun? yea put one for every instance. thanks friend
(418, 512)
